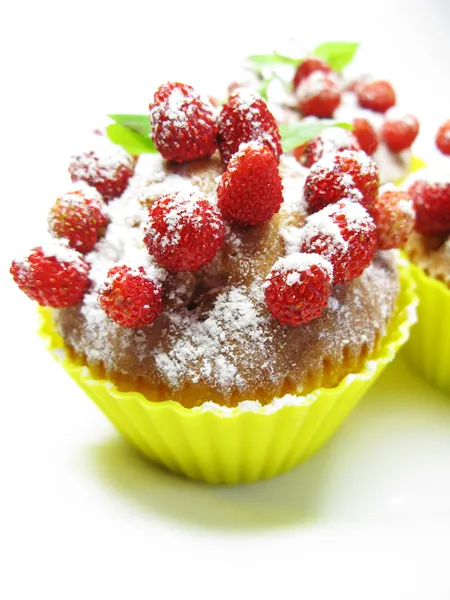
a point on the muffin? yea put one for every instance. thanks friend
(428, 249)
(225, 306)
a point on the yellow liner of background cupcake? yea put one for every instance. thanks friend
(243, 444)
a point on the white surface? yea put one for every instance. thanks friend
(81, 514)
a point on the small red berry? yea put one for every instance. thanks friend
(443, 138)
(399, 130)
(298, 288)
(183, 123)
(250, 191)
(432, 206)
(394, 218)
(106, 167)
(130, 297)
(366, 135)
(246, 118)
(352, 175)
(344, 234)
(78, 217)
(376, 95)
(318, 95)
(54, 275)
(184, 232)
(308, 66)
(332, 140)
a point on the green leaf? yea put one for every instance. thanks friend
(296, 134)
(138, 123)
(130, 140)
(336, 54)
(262, 61)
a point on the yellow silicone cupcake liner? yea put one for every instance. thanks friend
(243, 444)
(428, 349)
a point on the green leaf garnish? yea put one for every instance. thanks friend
(131, 141)
(337, 55)
(138, 123)
(262, 61)
(296, 134)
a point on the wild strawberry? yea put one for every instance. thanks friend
(376, 95)
(318, 95)
(250, 191)
(366, 135)
(184, 231)
(394, 217)
(352, 175)
(106, 167)
(246, 118)
(79, 218)
(432, 206)
(443, 138)
(308, 66)
(298, 288)
(330, 141)
(53, 275)
(130, 297)
(399, 130)
(183, 123)
(344, 234)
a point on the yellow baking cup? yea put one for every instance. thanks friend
(428, 349)
(243, 444)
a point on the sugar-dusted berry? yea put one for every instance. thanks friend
(344, 234)
(184, 231)
(79, 217)
(246, 118)
(319, 95)
(298, 287)
(443, 138)
(352, 175)
(432, 205)
(376, 95)
(330, 141)
(399, 130)
(308, 66)
(131, 297)
(105, 166)
(183, 123)
(53, 275)
(366, 135)
(394, 218)
(250, 191)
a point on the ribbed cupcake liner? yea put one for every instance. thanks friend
(428, 349)
(243, 444)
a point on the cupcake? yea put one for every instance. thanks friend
(224, 306)
(428, 249)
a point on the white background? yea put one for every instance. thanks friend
(81, 514)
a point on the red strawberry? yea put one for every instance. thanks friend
(344, 234)
(308, 66)
(443, 138)
(399, 130)
(319, 95)
(250, 191)
(332, 140)
(246, 118)
(366, 135)
(184, 232)
(53, 275)
(130, 297)
(183, 123)
(298, 288)
(376, 95)
(394, 217)
(106, 167)
(352, 175)
(432, 206)
(78, 217)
